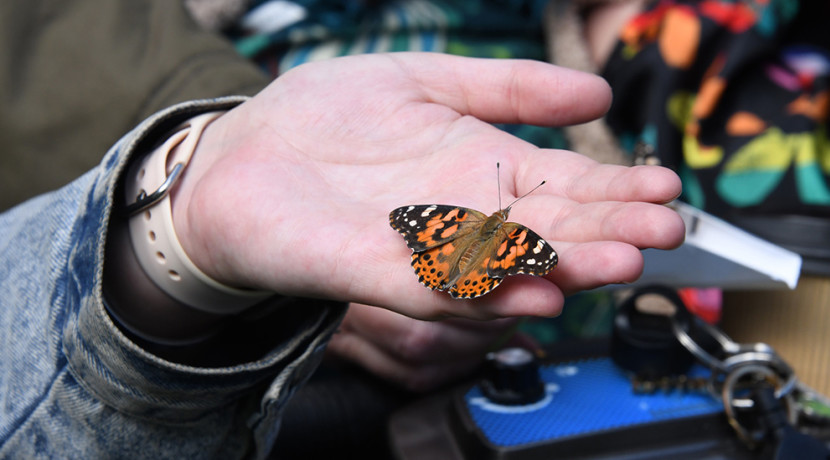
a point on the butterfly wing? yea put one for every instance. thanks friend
(521, 250)
(516, 249)
(433, 266)
(434, 233)
(429, 225)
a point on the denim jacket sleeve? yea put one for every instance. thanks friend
(73, 386)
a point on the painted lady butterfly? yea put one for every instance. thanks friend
(466, 253)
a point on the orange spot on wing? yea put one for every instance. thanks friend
(506, 258)
(427, 234)
(449, 231)
(453, 215)
(435, 220)
(519, 235)
(502, 248)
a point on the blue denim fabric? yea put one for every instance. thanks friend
(73, 386)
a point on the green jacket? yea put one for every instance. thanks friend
(111, 78)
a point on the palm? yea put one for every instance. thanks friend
(337, 147)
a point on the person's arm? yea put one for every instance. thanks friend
(76, 385)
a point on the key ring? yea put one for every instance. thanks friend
(769, 360)
(730, 403)
(737, 355)
(696, 350)
(729, 346)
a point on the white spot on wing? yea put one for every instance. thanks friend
(428, 211)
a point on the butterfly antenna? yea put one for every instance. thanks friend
(498, 181)
(526, 194)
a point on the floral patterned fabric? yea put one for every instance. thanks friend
(734, 96)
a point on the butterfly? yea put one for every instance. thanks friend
(467, 253)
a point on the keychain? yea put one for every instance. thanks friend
(771, 411)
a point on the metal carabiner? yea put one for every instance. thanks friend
(144, 201)
(736, 355)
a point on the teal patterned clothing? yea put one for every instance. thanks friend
(279, 35)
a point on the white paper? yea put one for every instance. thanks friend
(718, 254)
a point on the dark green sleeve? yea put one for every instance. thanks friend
(75, 75)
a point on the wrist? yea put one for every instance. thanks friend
(156, 239)
(199, 220)
(139, 305)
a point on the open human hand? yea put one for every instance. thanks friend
(291, 191)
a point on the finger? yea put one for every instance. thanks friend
(422, 341)
(642, 225)
(592, 265)
(516, 296)
(583, 180)
(413, 376)
(363, 352)
(509, 91)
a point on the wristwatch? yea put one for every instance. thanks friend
(153, 236)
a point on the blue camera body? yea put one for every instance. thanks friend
(589, 411)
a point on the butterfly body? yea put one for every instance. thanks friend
(467, 253)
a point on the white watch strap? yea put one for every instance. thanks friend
(154, 238)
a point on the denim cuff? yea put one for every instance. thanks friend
(107, 364)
